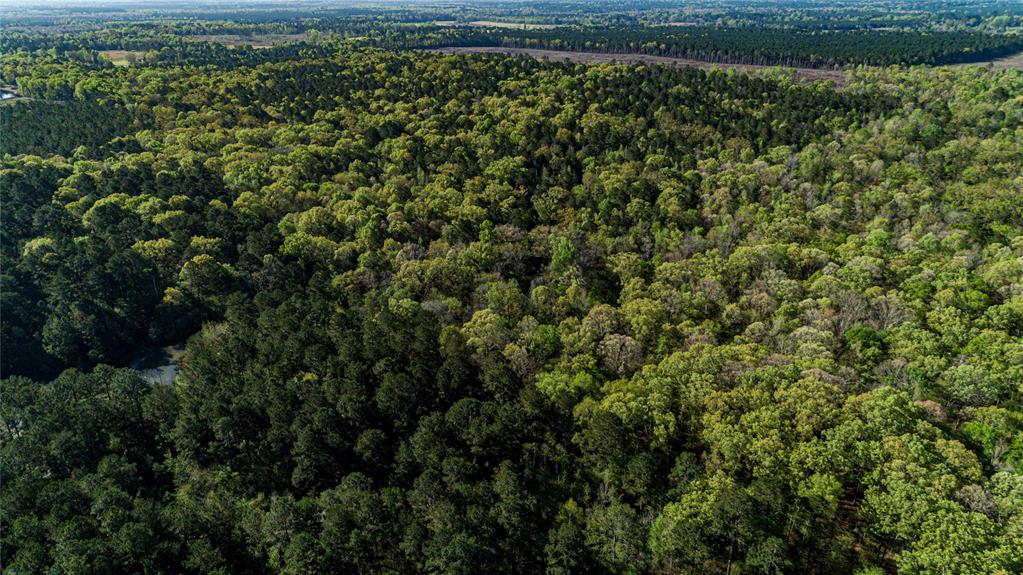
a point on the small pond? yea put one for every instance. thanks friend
(160, 365)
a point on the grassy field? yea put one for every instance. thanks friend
(513, 25)
(121, 57)
(256, 41)
(496, 24)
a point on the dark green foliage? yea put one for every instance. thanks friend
(762, 46)
(41, 128)
(84, 475)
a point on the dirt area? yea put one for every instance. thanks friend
(1015, 61)
(121, 57)
(257, 41)
(801, 74)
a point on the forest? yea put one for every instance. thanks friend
(480, 313)
(761, 46)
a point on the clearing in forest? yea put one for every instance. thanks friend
(802, 74)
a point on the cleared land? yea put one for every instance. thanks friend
(514, 25)
(802, 74)
(496, 24)
(121, 57)
(256, 41)
(1015, 61)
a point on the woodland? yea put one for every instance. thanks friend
(465, 314)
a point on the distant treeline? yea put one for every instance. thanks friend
(769, 46)
(825, 44)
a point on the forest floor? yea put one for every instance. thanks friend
(802, 74)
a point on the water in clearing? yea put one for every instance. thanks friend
(160, 365)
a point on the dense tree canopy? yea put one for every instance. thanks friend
(763, 46)
(489, 314)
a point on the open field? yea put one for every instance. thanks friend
(256, 41)
(121, 57)
(802, 74)
(1014, 61)
(496, 24)
(514, 25)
